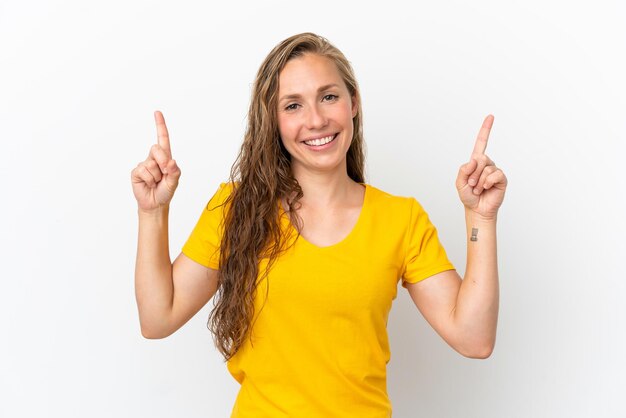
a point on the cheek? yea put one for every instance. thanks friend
(348, 118)
(349, 111)
(286, 144)
(287, 129)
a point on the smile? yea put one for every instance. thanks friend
(318, 142)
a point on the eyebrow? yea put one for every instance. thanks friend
(297, 96)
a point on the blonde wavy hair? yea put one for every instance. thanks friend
(261, 175)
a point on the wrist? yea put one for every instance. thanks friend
(158, 212)
(473, 218)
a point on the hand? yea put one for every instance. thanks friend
(155, 179)
(481, 185)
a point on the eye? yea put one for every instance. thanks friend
(331, 97)
(292, 106)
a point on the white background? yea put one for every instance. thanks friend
(79, 83)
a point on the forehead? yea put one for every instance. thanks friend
(307, 73)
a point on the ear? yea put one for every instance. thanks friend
(355, 106)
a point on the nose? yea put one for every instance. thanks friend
(315, 118)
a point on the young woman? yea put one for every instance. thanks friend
(304, 257)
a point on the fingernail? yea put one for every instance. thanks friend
(472, 182)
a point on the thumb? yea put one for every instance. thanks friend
(464, 172)
(173, 173)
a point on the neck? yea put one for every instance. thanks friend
(326, 189)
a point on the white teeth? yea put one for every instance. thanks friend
(320, 141)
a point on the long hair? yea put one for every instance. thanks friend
(261, 176)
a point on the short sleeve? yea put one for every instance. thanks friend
(424, 254)
(203, 245)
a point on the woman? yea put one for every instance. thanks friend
(305, 256)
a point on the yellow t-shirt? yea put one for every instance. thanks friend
(319, 345)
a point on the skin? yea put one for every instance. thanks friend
(463, 311)
(168, 294)
(315, 102)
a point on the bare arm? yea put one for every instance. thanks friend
(154, 286)
(167, 294)
(465, 312)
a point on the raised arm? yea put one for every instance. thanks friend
(465, 312)
(167, 294)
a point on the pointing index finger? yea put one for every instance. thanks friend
(483, 135)
(162, 134)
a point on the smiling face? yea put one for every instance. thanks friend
(315, 112)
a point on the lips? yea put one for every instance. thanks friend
(321, 140)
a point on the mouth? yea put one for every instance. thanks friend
(321, 141)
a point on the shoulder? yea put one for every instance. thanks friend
(222, 195)
(389, 202)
